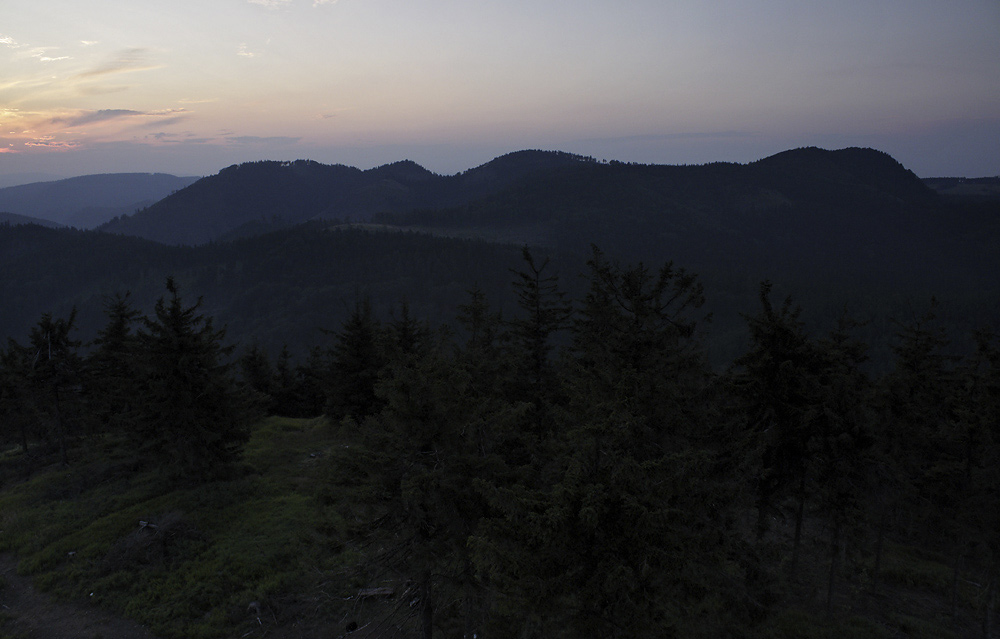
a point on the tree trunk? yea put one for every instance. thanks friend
(799, 514)
(60, 426)
(834, 555)
(955, 569)
(427, 609)
(24, 436)
(878, 550)
(988, 620)
(471, 603)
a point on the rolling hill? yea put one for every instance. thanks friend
(255, 197)
(14, 219)
(90, 200)
(837, 229)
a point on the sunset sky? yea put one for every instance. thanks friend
(189, 87)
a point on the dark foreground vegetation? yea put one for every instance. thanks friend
(576, 469)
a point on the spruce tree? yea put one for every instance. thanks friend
(356, 359)
(626, 531)
(841, 463)
(418, 463)
(776, 385)
(917, 402)
(56, 375)
(112, 381)
(979, 418)
(544, 313)
(18, 413)
(193, 417)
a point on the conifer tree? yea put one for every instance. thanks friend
(17, 407)
(544, 313)
(419, 463)
(288, 395)
(840, 450)
(776, 383)
(356, 359)
(312, 384)
(979, 417)
(485, 364)
(193, 416)
(56, 374)
(615, 538)
(256, 370)
(917, 404)
(112, 381)
(635, 337)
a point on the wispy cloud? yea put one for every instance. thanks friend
(41, 131)
(165, 121)
(243, 51)
(35, 52)
(270, 4)
(162, 118)
(92, 117)
(101, 89)
(51, 144)
(317, 3)
(253, 139)
(9, 42)
(89, 43)
(329, 115)
(48, 59)
(124, 61)
(163, 137)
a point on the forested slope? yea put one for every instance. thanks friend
(572, 468)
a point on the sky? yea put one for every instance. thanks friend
(191, 86)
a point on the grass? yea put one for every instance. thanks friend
(268, 546)
(204, 554)
(799, 624)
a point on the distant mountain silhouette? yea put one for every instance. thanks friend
(17, 179)
(249, 198)
(537, 196)
(90, 200)
(13, 219)
(984, 189)
(804, 206)
(832, 227)
(841, 176)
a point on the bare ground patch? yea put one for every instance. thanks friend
(26, 613)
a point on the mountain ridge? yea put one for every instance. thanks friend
(269, 193)
(535, 185)
(13, 219)
(87, 201)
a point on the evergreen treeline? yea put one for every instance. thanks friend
(162, 386)
(575, 469)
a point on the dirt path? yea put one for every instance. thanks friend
(28, 614)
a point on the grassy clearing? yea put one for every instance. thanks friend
(231, 556)
(270, 547)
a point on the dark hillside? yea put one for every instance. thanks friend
(590, 443)
(255, 197)
(986, 188)
(272, 289)
(256, 191)
(834, 228)
(14, 219)
(851, 211)
(90, 200)
(842, 176)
